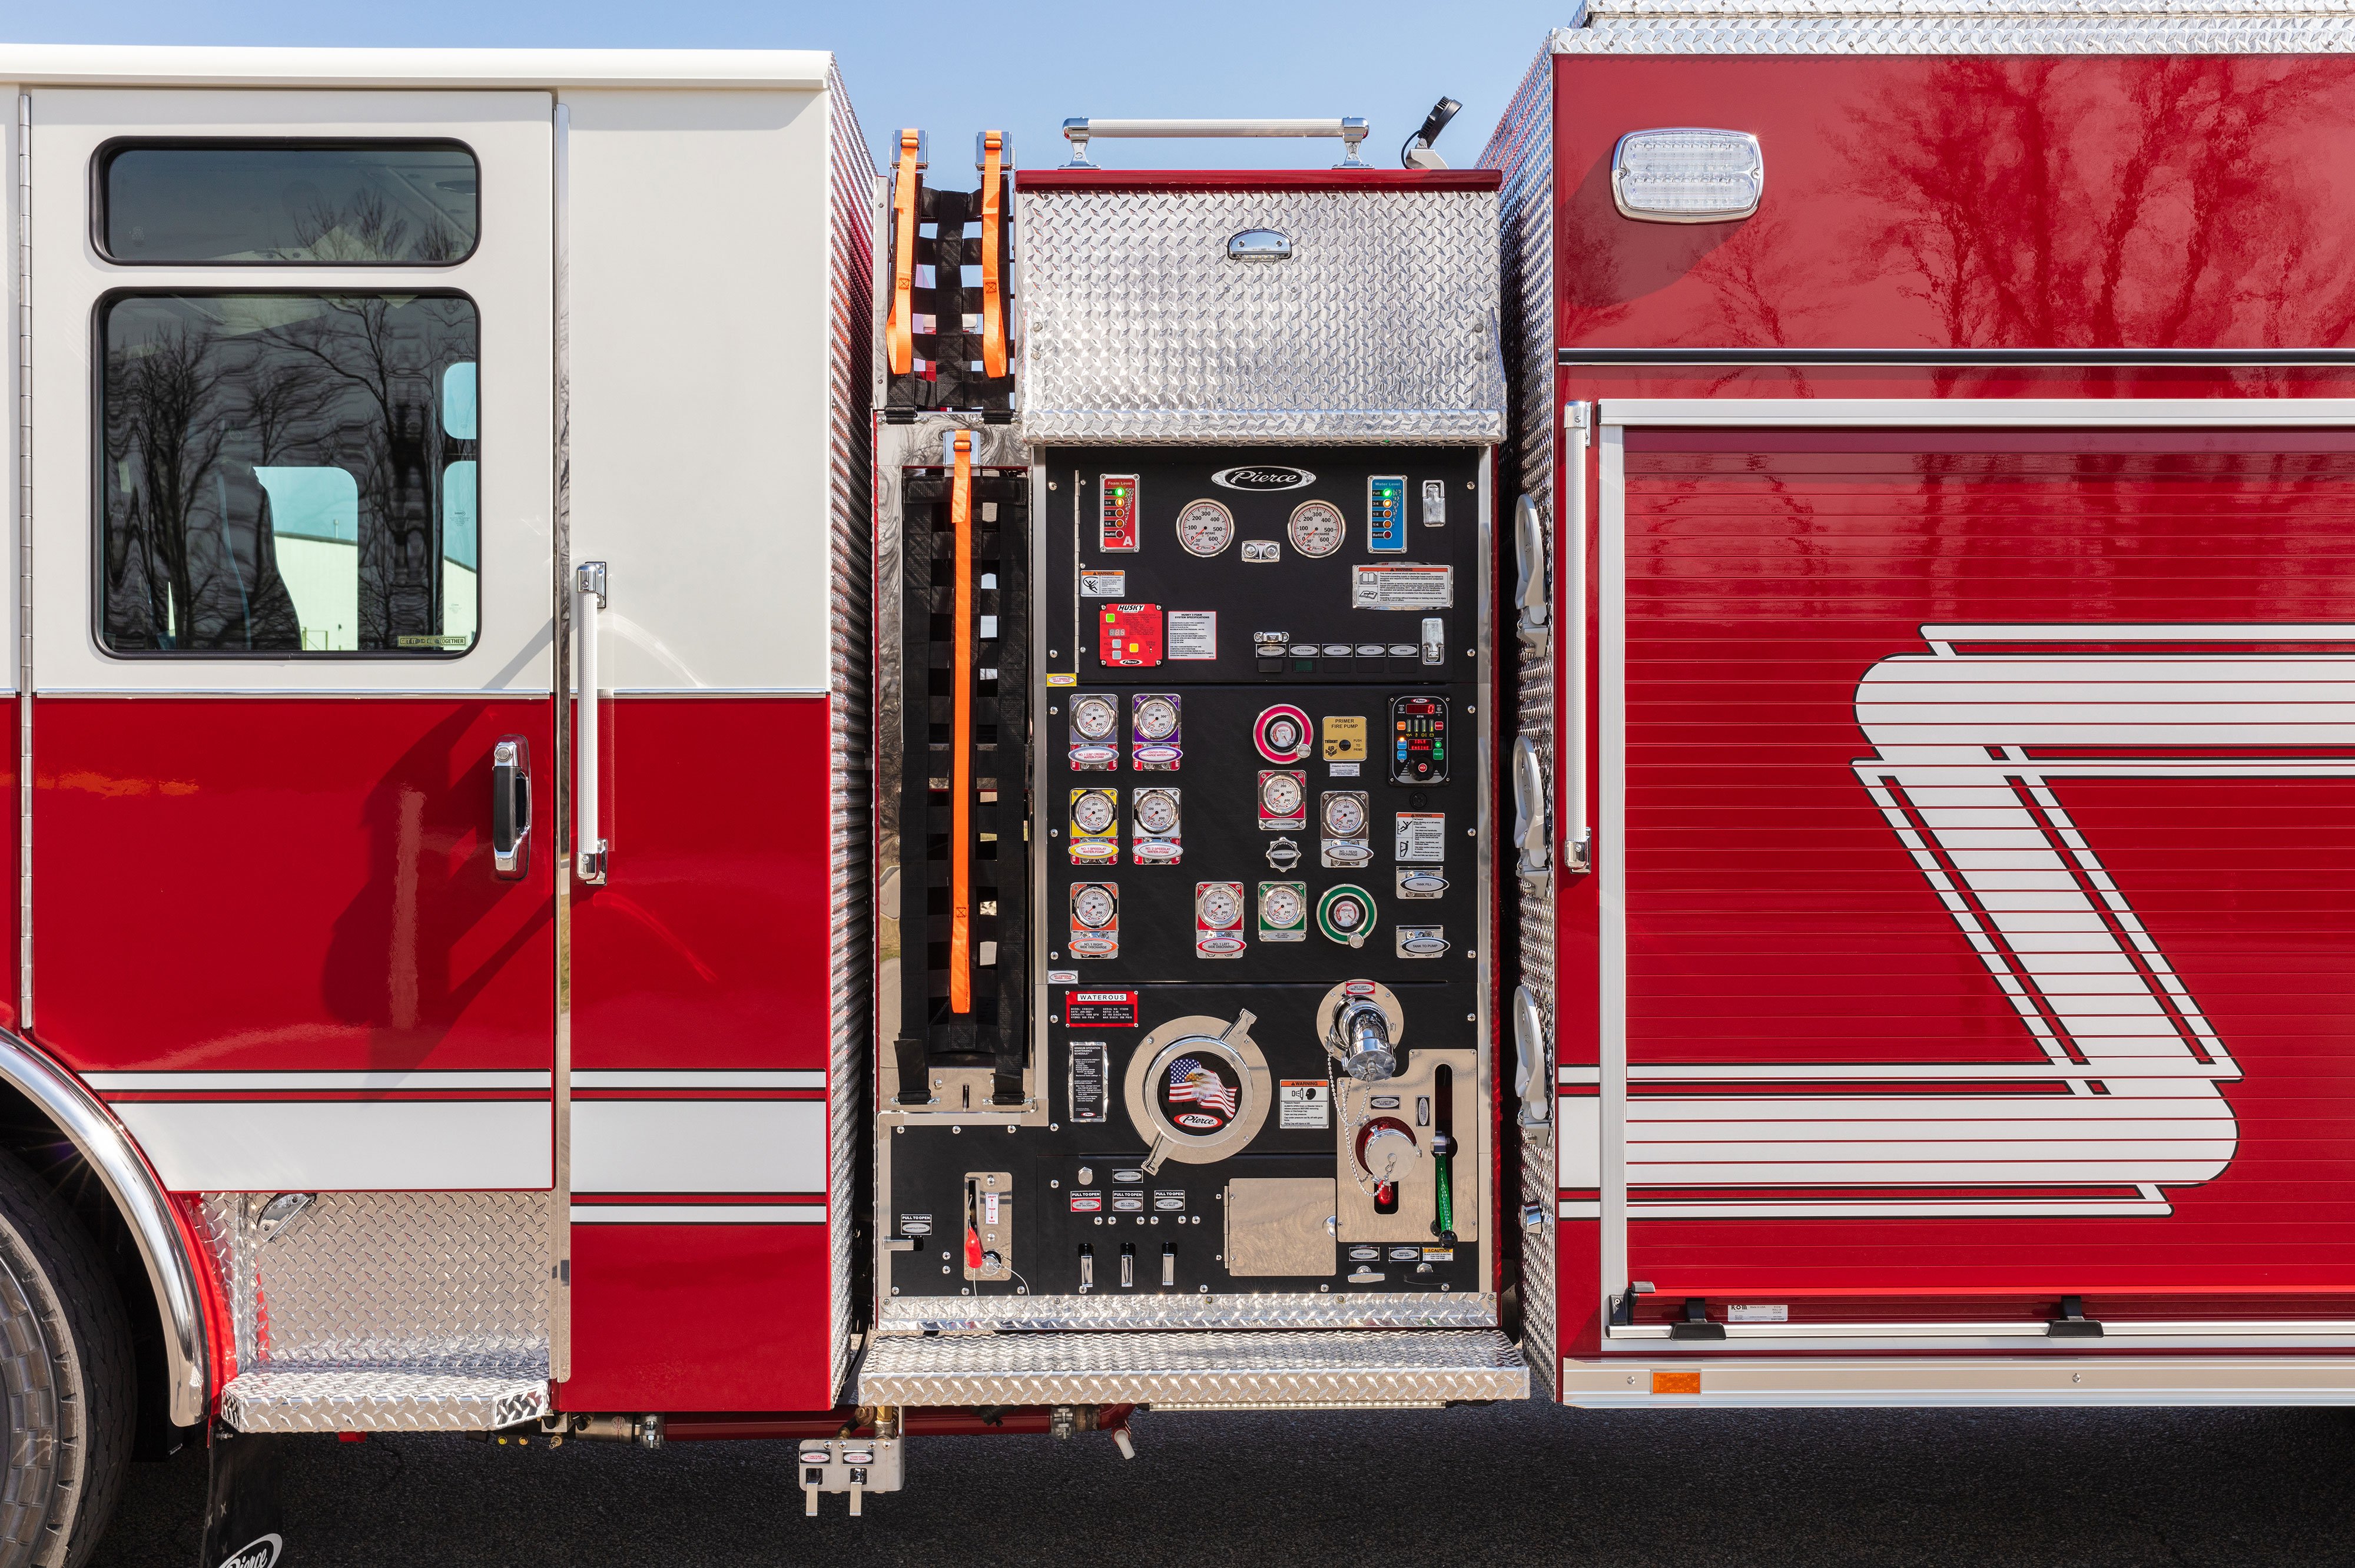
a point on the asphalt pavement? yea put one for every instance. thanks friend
(1535, 1484)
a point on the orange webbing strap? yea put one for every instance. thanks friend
(899, 331)
(993, 301)
(961, 741)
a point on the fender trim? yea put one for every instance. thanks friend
(139, 1198)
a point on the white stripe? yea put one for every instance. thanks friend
(720, 1079)
(699, 1145)
(1579, 1209)
(345, 1145)
(1962, 413)
(1578, 1075)
(242, 1083)
(698, 1214)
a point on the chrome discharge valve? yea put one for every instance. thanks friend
(1360, 1022)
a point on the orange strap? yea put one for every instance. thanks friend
(960, 740)
(899, 331)
(993, 302)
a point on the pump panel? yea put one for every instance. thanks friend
(1258, 1087)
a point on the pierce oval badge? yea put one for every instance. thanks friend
(1263, 477)
(257, 1553)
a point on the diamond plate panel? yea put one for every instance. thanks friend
(1523, 149)
(380, 1401)
(1382, 327)
(1961, 27)
(392, 1283)
(1333, 1369)
(958, 1314)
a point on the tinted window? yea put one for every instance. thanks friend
(288, 473)
(396, 203)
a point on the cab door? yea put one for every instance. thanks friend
(290, 717)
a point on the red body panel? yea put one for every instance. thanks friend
(1775, 917)
(244, 884)
(707, 951)
(699, 1317)
(708, 948)
(2014, 201)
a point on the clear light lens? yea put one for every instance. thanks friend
(1687, 175)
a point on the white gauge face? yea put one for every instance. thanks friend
(1283, 734)
(1347, 913)
(1216, 904)
(1094, 717)
(1093, 907)
(1345, 816)
(1280, 795)
(1205, 528)
(1156, 811)
(1280, 906)
(1155, 719)
(1093, 811)
(1318, 527)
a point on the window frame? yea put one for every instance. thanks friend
(103, 159)
(96, 544)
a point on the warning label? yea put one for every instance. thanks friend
(1104, 585)
(1421, 838)
(1192, 635)
(1305, 1103)
(1401, 587)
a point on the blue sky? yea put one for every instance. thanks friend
(955, 70)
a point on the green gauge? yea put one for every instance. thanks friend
(1346, 914)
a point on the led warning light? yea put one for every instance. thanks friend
(1687, 175)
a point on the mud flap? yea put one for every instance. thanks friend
(244, 1514)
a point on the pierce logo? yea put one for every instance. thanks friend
(258, 1553)
(1263, 476)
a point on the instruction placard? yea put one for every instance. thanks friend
(1305, 1103)
(1421, 838)
(1192, 635)
(1401, 587)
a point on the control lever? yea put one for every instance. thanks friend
(1442, 1167)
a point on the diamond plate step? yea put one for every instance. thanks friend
(382, 1399)
(1294, 1370)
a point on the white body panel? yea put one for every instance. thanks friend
(698, 294)
(344, 1145)
(699, 1145)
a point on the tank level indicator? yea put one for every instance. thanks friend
(1386, 514)
(1116, 513)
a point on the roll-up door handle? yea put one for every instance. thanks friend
(1532, 1074)
(1532, 590)
(511, 808)
(1529, 824)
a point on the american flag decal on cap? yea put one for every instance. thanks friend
(1190, 1081)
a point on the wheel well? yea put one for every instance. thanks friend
(29, 1134)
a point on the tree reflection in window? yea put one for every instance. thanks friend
(289, 472)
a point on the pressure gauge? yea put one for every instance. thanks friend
(1344, 813)
(1280, 795)
(1281, 904)
(1092, 718)
(1218, 905)
(1092, 906)
(1318, 527)
(1156, 810)
(1345, 913)
(1092, 810)
(1155, 717)
(1205, 528)
(1281, 733)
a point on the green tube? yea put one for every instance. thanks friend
(1443, 1148)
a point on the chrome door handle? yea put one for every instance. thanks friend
(1534, 587)
(511, 808)
(588, 603)
(1532, 1074)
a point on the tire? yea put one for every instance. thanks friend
(68, 1395)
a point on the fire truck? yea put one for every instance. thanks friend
(672, 784)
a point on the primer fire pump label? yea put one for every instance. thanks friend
(1402, 587)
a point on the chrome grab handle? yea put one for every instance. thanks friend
(589, 842)
(1529, 817)
(511, 808)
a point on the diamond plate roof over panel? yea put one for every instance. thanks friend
(1960, 27)
(1381, 327)
(1298, 1368)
